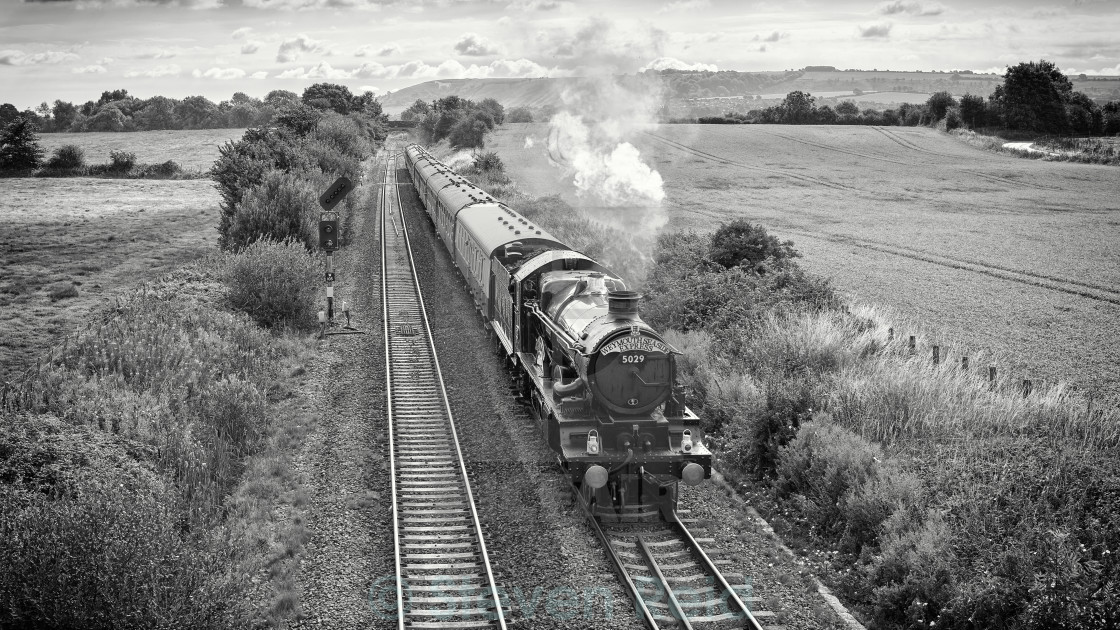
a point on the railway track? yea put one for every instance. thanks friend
(444, 579)
(672, 580)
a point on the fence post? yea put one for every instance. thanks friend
(1026, 387)
(890, 333)
(992, 377)
(936, 355)
(964, 364)
(913, 343)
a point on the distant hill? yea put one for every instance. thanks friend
(689, 90)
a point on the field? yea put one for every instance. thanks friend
(67, 244)
(988, 252)
(192, 149)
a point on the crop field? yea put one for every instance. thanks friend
(989, 252)
(67, 244)
(192, 149)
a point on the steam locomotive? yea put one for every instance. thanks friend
(599, 380)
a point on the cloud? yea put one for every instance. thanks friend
(474, 45)
(876, 31)
(913, 8)
(168, 70)
(20, 58)
(602, 46)
(452, 69)
(387, 50)
(368, 88)
(669, 63)
(95, 69)
(292, 49)
(536, 5)
(684, 5)
(772, 37)
(259, 75)
(221, 74)
(322, 70)
(249, 48)
(242, 32)
(1090, 72)
(162, 53)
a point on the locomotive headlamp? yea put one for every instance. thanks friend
(596, 476)
(593, 442)
(692, 474)
(686, 441)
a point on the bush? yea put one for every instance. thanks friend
(519, 115)
(275, 283)
(68, 156)
(282, 207)
(121, 161)
(488, 161)
(742, 243)
(166, 170)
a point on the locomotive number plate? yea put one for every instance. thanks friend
(633, 358)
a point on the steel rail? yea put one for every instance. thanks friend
(498, 619)
(705, 563)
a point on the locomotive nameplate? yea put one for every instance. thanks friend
(636, 344)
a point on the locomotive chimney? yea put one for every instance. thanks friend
(623, 304)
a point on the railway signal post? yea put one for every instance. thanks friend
(328, 241)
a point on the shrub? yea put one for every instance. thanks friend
(121, 161)
(913, 576)
(488, 161)
(166, 170)
(742, 243)
(519, 115)
(274, 282)
(282, 207)
(68, 156)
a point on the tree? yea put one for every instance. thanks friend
(847, 108)
(281, 98)
(19, 146)
(1085, 116)
(938, 103)
(468, 133)
(494, 108)
(300, 119)
(8, 114)
(108, 118)
(1033, 97)
(330, 96)
(972, 110)
(798, 108)
(109, 97)
(158, 113)
(64, 115)
(416, 111)
(195, 112)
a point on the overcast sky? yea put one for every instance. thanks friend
(74, 49)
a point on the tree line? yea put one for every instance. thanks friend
(1034, 97)
(300, 115)
(117, 110)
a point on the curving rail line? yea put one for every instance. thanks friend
(444, 578)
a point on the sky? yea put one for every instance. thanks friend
(74, 49)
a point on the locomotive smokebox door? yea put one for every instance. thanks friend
(328, 231)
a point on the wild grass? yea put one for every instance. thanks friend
(1048, 148)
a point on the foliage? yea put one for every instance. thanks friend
(742, 243)
(242, 164)
(68, 156)
(520, 115)
(275, 283)
(488, 161)
(120, 160)
(973, 112)
(282, 207)
(938, 104)
(1033, 97)
(19, 147)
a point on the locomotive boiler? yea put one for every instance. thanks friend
(601, 382)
